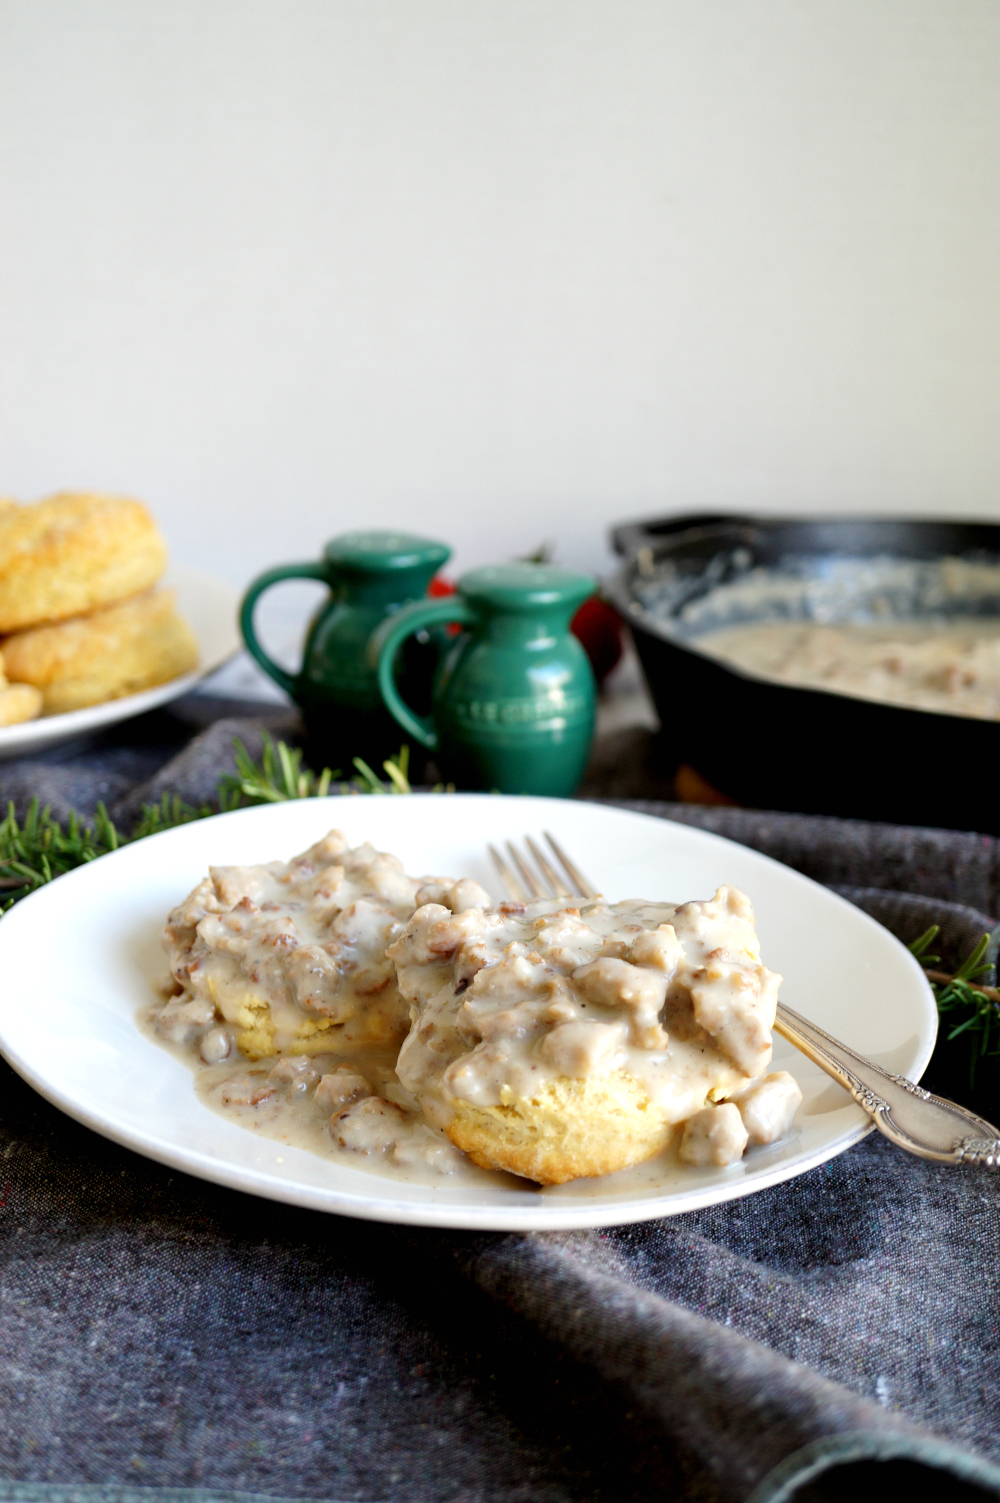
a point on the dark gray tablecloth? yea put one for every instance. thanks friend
(833, 1332)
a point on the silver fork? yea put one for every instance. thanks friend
(914, 1119)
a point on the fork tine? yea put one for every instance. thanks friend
(507, 877)
(574, 873)
(548, 871)
(527, 875)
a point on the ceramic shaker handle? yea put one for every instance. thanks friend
(264, 582)
(385, 643)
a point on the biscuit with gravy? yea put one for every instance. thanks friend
(288, 958)
(558, 1042)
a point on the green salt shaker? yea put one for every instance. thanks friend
(514, 699)
(370, 576)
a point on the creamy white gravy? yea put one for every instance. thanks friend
(950, 665)
(289, 958)
(292, 1102)
(507, 1001)
(285, 1002)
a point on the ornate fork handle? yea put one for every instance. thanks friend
(921, 1123)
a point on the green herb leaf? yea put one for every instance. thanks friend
(40, 848)
(972, 1009)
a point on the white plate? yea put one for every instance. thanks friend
(79, 958)
(209, 605)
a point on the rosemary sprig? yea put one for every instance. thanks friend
(962, 994)
(41, 848)
(397, 769)
(278, 776)
(171, 811)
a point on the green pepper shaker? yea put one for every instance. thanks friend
(514, 698)
(371, 576)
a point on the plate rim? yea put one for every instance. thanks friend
(372, 1206)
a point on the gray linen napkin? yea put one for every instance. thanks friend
(164, 1338)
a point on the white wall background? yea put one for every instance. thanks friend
(497, 270)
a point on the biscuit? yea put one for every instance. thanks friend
(19, 702)
(570, 1129)
(558, 1042)
(108, 654)
(73, 553)
(308, 972)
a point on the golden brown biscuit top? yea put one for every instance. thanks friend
(73, 552)
(44, 524)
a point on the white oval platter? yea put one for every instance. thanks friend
(80, 957)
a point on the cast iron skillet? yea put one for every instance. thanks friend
(774, 746)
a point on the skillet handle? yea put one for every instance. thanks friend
(645, 532)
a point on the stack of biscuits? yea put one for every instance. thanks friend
(81, 621)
